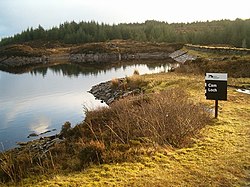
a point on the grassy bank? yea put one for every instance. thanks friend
(218, 155)
(236, 65)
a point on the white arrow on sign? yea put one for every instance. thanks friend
(216, 76)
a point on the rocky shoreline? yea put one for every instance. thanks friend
(19, 61)
(111, 57)
(109, 91)
(39, 146)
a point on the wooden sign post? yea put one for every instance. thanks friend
(216, 88)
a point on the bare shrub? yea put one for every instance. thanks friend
(65, 129)
(91, 153)
(14, 167)
(165, 118)
(7, 167)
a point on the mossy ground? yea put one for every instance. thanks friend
(218, 156)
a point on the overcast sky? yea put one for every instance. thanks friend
(18, 15)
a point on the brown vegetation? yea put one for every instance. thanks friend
(163, 118)
(22, 51)
(234, 67)
(125, 46)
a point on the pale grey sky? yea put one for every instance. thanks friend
(18, 15)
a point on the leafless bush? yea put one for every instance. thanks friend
(165, 118)
(7, 167)
(13, 167)
(91, 153)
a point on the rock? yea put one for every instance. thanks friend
(110, 100)
(32, 135)
(177, 53)
(116, 94)
(182, 56)
(106, 93)
(136, 91)
(18, 61)
(127, 94)
(22, 143)
(108, 90)
(47, 131)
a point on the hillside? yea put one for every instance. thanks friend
(232, 33)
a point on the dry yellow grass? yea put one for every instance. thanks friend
(219, 156)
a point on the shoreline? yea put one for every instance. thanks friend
(110, 91)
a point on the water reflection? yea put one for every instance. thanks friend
(44, 98)
(76, 69)
(41, 125)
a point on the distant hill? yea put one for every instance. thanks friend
(233, 33)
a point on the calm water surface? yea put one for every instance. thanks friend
(43, 99)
